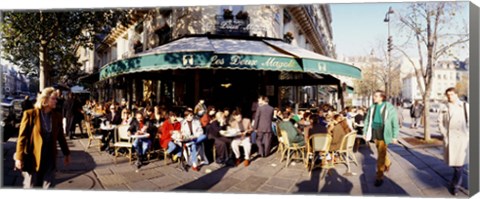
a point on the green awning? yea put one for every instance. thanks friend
(156, 62)
(209, 53)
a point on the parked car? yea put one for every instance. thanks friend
(435, 108)
(407, 104)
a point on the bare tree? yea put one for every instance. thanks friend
(462, 86)
(430, 27)
(371, 81)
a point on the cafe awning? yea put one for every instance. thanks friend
(206, 52)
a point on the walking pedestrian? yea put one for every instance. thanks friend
(69, 114)
(400, 114)
(36, 152)
(416, 111)
(381, 125)
(453, 124)
(263, 126)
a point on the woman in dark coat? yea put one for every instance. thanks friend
(221, 143)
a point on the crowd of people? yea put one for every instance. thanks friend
(192, 130)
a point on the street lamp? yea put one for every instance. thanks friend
(389, 49)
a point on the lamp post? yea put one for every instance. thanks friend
(389, 50)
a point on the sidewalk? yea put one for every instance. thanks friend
(417, 172)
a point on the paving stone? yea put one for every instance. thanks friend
(125, 168)
(251, 184)
(236, 190)
(243, 174)
(283, 183)
(224, 185)
(117, 187)
(144, 185)
(74, 181)
(108, 180)
(271, 190)
(141, 175)
(424, 180)
(169, 188)
(164, 181)
(103, 171)
(290, 174)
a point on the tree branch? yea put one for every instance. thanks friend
(417, 75)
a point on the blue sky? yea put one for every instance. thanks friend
(359, 27)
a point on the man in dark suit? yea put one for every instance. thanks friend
(69, 114)
(263, 126)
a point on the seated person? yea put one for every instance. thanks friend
(191, 129)
(359, 121)
(317, 125)
(140, 126)
(294, 137)
(245, 128)
(221, 142)
(166, 131)
(338, 131)
(113, 118)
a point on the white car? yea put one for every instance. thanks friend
(435, 108)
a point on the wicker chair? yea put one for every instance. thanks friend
(292, 148)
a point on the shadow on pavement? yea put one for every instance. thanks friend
(312, 185)
(336, 183)
(205, 182)
(431, 172)
(367, 179)
(66, 176)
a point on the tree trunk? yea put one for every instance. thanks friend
(44, 73)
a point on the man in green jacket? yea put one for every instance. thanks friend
(381, 125)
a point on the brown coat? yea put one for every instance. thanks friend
(30, 139)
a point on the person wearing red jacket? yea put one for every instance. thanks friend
(166, 132)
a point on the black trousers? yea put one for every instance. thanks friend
(264, 142)
(221, 147)
(457, 177)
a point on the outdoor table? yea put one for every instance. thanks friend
(145, 135)
(107, 131)
(229, 134)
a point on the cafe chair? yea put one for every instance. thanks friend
(346, 149)
(281, 145)
(318, 146)
(292, 148)
(92, 137)
(122, 140)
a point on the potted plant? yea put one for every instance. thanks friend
(288, 37)
(242, 15)
(227, 14)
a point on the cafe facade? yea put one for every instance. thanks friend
(227, 55)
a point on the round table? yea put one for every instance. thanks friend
(140, 136)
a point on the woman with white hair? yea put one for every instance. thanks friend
(39, 132)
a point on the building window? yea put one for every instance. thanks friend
(137, 38)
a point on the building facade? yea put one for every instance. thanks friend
(14, 83)
(305, 26)
(445, 75)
